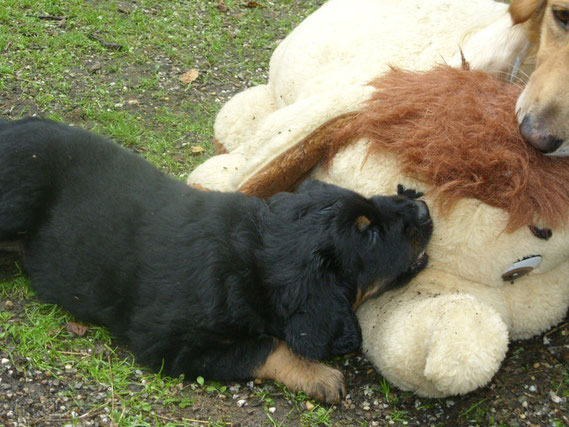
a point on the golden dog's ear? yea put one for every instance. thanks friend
(522, 10)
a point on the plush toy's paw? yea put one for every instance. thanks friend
(241, 116)
(217, 173)
(434, 345)
(466, 348)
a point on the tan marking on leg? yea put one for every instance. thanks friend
(317, 380)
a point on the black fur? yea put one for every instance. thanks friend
(201, 283)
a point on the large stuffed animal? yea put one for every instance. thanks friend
(499, 267)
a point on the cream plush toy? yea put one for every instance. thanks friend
(499, 267)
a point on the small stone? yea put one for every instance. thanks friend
(555, 398)
(4, 361)
(309, 405)
(272, 409)
(241, 403)
(532, 388)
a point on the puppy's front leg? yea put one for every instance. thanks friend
(317, 380)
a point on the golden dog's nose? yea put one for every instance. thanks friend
(533, 132)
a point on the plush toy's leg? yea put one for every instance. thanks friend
(240, 117)
(435, 345)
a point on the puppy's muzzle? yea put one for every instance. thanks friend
(422, 212)
(419, 229)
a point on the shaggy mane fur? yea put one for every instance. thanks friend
(456, 129)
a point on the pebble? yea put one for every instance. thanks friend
(555, 398)
(4, 361)
(241, 403)
(309, 405)
(532, 388)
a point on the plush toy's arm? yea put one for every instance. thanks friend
(435, 345)
(285, 147)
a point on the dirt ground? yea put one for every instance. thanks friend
(531, 388)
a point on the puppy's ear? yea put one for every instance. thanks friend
(522, 10)
(362, 223)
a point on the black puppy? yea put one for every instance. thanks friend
(221, 285)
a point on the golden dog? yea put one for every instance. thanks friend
(543, 107)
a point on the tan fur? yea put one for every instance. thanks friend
(363, 296)
(314, 378)
(546, 98)
(282, 175)
(362, 223)
(523, 10)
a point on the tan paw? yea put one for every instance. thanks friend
(317, 380)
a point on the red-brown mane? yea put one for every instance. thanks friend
(456, 130)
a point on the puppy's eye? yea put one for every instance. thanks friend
(562, 17)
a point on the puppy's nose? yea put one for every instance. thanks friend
(533, 133)
(422, 211)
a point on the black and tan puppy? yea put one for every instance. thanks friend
(221, 285)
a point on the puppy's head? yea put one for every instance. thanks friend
(346, 248)
(543, 107)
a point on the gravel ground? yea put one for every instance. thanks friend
(532, 387)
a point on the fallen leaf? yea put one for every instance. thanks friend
(95, 67)
(189, 76)
(197, 149)
(221, 6)
(76, 328)
(252, 4)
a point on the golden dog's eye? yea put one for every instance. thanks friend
(561, 16)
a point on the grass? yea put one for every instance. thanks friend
(41, 337)
(50, 63)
